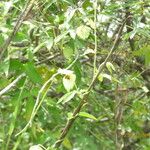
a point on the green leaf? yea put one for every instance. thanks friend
(110, 67)
(39, 47)
(100, 78)
(61, 36)
(29, 107)
(1, 39)
(78, 72)
(87, 115)
(69, 81)
(104, 75)
(4, 67)
(144, 51)
(67, 97)
(16, 65)
(68, 52)
(67, 144)
(83, 32)
(147, 56)
(32, 73)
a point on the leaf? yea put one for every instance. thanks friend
(69, 81)
(89, 51)
(144, 51)
(32, 73)
(36, 147)
(64, 71)
(104, 75)
(70, 13)
(145, 89)
(100, 78)
(16, 65)
(67, 97)
(70, 116)
(107, 76)
(83, 32)
(132, 34)
(49, 43)
(4, 67)
(7, 7)
(147, 56)
(87, 115)
(91, 23)
(69, 2)
(1, 39)
(39, 47)
(67, 144)
(29, 107)
(78, 72)
(72, 34)
(110, 67)
(61, 36)
(68, 52)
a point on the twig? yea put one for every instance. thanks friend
(48, 59)
(7, 88)
(27, 9)
(86, 94)
(41, 96)
(121, 100)
(95, 35)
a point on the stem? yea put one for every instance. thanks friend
(15, 114)
(41, 96)
(86, 94)
(27, 9)
(95, 35)
(12, 84)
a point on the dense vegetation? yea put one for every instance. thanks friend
(75, 74)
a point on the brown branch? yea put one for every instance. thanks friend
(121, 100)
(23, 15)
(86, 94)
(129, 24)
(48, 59)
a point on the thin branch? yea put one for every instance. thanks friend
(12, 84)
(41, 96)
(86, 94)
(129, 24)
(27, 9)
(95, 35)
(48, 59)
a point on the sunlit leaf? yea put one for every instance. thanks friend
(36, 147)
(87, 115)
(110, 67)
(67, 144)
(68, 52)
(49, 44)
(69, 81)
(67, 97)
(39, 47)
(83, 32)
(72, 34)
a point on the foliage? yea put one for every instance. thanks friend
(56, 83)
